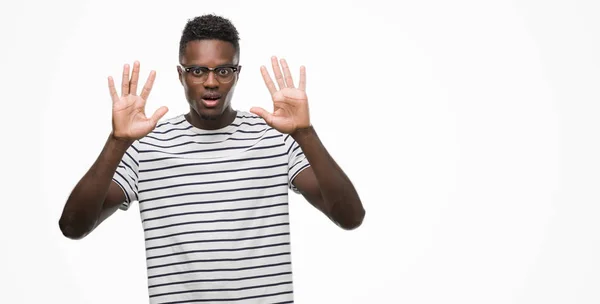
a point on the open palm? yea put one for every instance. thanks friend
(290, 104)
(129, 118)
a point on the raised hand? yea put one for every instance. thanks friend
(290, 104)
(129, 119)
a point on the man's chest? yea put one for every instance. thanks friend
(183, 194)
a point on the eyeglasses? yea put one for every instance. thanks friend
(224, 74)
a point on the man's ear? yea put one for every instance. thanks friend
(180, 73)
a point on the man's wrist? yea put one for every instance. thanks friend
(119, 143)
(303, 133)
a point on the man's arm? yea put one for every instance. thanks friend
(96, 196)
(325, 185)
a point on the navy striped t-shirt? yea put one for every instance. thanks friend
(214, 209)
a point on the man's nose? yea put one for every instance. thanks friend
(211, 80)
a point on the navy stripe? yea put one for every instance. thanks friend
(195, 151)
(214, 182)
(211, 142)
(221, 260)
(127, 199)
(266, 147)
(298, 171)
(168, 122)
(294, 165)
(124, 169)
(212, 163)
(216, 230)
(217, 221)
(211, 192)
(127, 181)
(214, 202)
(213, 211)
(171, 130)
(253, 117)
(131, 157)
(184, 120)
(216, 270)
(209, 134)
(211, 172)
(249, 124)
(221, 289)
(122, 165)
(130, 168)
(184, 135)
(253, 131)
(209, 150)
(216, 250)
(219, 240)
(222, 280)
(232, 299)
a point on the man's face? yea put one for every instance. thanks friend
(209, 94)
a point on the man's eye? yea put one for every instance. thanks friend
(224, 71)
(197, 71)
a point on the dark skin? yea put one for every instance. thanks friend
(324, 184)
(208, 53)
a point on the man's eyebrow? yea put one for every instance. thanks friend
(204, 66)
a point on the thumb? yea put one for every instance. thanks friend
(158, 114)
(268, 117)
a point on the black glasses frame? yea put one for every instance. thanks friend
(235, 68)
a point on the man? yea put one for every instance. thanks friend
(212, 185)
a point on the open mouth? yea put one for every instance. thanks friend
(211, 100)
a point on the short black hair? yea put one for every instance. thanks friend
(209, 26)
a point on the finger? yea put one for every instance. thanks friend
(135, 75)
(268, 117)
(148, 86)
(125, 81)
(277, 72)
(111, 88)
(268, 80)
(302, 84)
(289, 82)
(158, 114)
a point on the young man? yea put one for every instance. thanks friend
(212, 184)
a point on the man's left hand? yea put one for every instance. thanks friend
(290, 104)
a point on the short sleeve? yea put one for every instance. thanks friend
(296, 160)
(126, 175)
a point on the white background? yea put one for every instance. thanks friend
(469, 128)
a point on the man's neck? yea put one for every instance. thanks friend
(211, 123)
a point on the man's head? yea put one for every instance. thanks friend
(208, 43)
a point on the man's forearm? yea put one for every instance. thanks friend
(342, 202)
(84, 205)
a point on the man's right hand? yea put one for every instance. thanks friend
(129, 119)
